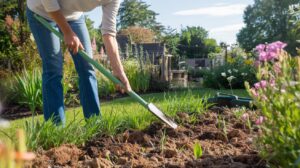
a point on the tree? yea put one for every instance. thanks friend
(137, 13)
(94, 32)
(171, 38)
(211, 46)
(267, 21)
(192, 42)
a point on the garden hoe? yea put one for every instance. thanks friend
(151, 107)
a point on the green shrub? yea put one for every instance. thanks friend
(278, 96)
(28, 89)
(105, 86)
(196, 73)
(217, 77)
(138, 75)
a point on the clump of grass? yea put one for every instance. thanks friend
(189, 103)
(112, 123)
(163, 141)
(47, 134)
(28, 89)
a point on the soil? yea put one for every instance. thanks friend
(14, 112)
(161, 146)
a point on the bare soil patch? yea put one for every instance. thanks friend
(160, 146)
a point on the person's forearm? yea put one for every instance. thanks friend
(112, 50)
(70, 38)
(61, 21)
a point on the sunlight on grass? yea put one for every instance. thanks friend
(125, 111)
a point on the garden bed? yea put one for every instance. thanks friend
(225, 139)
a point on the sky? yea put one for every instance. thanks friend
(222, 18)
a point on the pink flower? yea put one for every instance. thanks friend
(257, 85)
(245, 116)
(261, 85)
(272, 82)
(260, 47)
(254, 92)
(259, 120)
(271, 51)
(277, 68)
(263, 56)
(279, 44)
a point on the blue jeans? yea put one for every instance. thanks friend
(52, 60)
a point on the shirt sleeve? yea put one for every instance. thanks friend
(50, 5)
(109, 17)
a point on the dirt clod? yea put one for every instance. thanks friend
(65, 154)
(169, 153)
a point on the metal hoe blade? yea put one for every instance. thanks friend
(161, 115)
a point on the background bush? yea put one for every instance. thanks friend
(242, 69)
(139, 76)
(196, 72)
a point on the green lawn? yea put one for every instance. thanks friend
(124, 109)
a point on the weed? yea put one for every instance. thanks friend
(163, 141)
(197, 150)
(225, 128)
(239, 112)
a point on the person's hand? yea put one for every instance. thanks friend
(73, 43)
(123, 78)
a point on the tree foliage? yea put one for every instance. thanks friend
(194, 43)
(137, 13)
(94, 32)
(171, 38)
(16, 48)
(267, 21)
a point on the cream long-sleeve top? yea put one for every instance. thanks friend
(73, 9)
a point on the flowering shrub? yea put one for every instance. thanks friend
(232, 74)
(278, 96)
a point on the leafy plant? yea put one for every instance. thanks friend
(239, 68)
(197, 150)
(163, 141)
(138, 74)
(278, 96)
(105, 86)
(28, 89)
